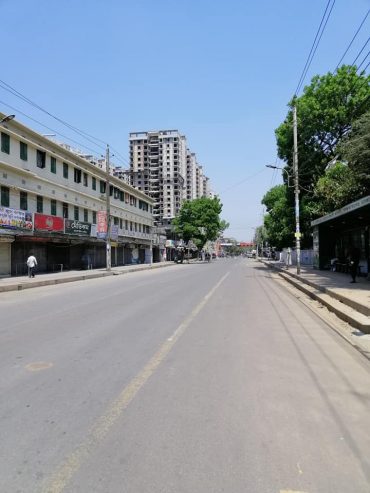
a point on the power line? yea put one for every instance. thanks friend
(352, 40)
(315, 44)
(94, 140)
(244, 180)
(363, 61)
(12, 90)
(359, 53)
(94, 151)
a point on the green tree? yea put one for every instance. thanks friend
(279, 220)
(199, 220)
(326, 112)
(355, 149)
(336, 188)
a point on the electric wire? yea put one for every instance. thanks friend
(314, 45)
(359, 53)
(363, 61)
(92, 139)
(352, 40)
(244, 180)
(94, 151)
(15, 92)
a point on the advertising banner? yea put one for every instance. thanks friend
(48, 223)
(101, 227)
(15, 219)
(114, 232)
(73, 227)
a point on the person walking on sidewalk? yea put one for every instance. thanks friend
(354, 260)
(31, 264)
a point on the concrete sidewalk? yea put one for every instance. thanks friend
(19, 283)
(350, 302)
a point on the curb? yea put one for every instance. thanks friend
(335, 303)
(83, 277)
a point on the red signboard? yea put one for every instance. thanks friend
(101, 227)
(48, 223)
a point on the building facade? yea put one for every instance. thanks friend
(335, 234)
(162, 166)
(52, 202)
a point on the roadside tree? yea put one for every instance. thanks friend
(199, 220)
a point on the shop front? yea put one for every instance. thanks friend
(335, 234)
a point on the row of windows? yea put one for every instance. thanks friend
(79, 176)
(78, 213)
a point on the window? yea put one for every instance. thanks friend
(86, 215)
(5, 143)
(65, 210)
(110, 190)
(76, 213)
(102, 186)
(23, 151)
(122, 196)
(115, 221)
(53, 164)
(40, 158)
(23, 204)
(53, 207)
(5, 196)
(39, 204)
(93, 183)
(126, 224)
(116, 193)
(65, 170)
(77, 175)
(121, 223)
(94, 217)
(86, 180)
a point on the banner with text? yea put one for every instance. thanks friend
(15, 219)
(101, 227)
(73, 227)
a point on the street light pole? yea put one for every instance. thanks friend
(296, 190)
(107, 199)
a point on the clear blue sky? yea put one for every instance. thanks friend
(221, 72)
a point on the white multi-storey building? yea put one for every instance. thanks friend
(158, 168)
(51, 200)
(162, 167)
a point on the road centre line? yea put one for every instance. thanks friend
(64, 473)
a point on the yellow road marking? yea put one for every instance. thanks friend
(99, 430)
(291, 491)
(38, 365)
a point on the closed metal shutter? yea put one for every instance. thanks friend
(4, 259)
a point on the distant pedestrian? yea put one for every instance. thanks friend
(354, 260)
(31, 264)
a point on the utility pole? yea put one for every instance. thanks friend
(296, 190)
(107, 197)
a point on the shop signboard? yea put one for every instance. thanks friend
(48, 223)
(101, 227)
(170, 244)
(73, 227)
(15, 219)
(114, 232)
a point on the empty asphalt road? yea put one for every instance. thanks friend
(200, 378)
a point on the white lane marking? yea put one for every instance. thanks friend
(104, 423)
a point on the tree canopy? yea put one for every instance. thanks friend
(199, 220)
(355, 150)
(333, 122)
(326, 112)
